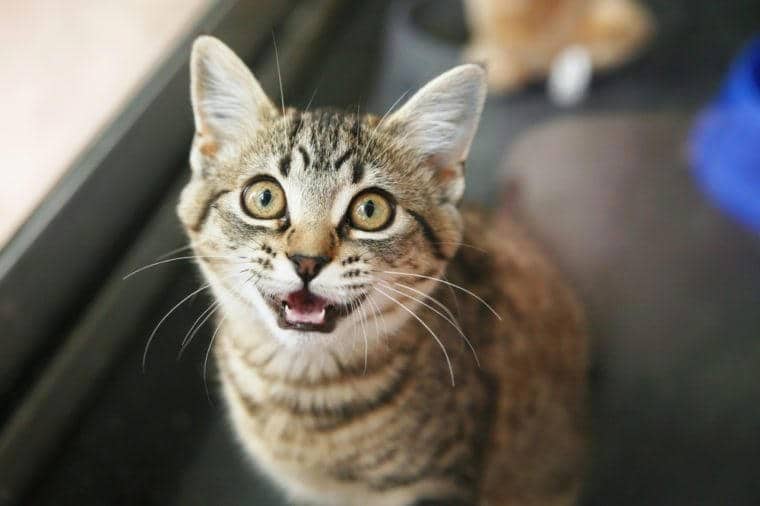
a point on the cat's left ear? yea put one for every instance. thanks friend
(440, 121)
(228, 102)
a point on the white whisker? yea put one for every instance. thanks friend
(432, 299)
(382, 120)
(175, 251)
(354, 318)
(446, 318)
(162, 320)
(357, 316)
(463, 244)
(196, 327)
(382, 317)
(443, 348)
(390, 109)
(174, 308)
(208, 352)
(308, 105)
(454, 296)
(188, 257)
(449, 283)
(279, 75)
(364, 331)
(374, 315)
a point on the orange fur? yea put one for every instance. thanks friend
(519, 39)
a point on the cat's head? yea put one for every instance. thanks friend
(305, 221)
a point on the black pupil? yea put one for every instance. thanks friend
(265, 198)
(369, 208)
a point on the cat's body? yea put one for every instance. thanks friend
(519, 39)
(348, 362)
(400, 431)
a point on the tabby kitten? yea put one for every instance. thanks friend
(353, 370)
(519, 39)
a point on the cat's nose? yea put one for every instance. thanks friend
(307, 267)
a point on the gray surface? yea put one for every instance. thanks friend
(673, 291)
(225, 475)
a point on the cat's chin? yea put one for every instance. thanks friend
(305, 311)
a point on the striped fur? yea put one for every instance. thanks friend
(367, 413)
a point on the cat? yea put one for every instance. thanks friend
(353, 371)
(519, 39)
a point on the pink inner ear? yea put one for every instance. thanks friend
(447, 174)
(445, 171)
(206, 143)
(209, 148)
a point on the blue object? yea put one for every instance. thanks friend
(725, 142)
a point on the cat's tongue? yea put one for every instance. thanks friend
(305, 307)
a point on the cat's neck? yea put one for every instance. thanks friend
(309, 358)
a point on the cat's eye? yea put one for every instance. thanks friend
(264, 199)
(371, 211)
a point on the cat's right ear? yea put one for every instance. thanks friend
(228, 102)
(440, 121)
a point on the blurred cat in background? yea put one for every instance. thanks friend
(520, 39)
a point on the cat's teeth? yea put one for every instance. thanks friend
(295, 316)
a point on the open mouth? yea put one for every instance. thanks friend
(303, 310)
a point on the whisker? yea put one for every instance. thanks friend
(382, 317)
(374, 315)
(189, 257)
(162, 320)
(175, 251)
(285, 119)
(196, 327)
(255, 277)
(354, 318)
(382, 119)
(463, 244)
(364, 331)
(447, 319)
(365, 256)
(279, 75)
(308, 105)
(200, 317)
(449, 283)
(390, 109)
(205, 359)
(443, 348)
(456, 299)
(432, 299)
(174, 308)
(357, 316)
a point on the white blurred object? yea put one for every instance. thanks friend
(570, 76)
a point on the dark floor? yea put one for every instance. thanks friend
(673, 289)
